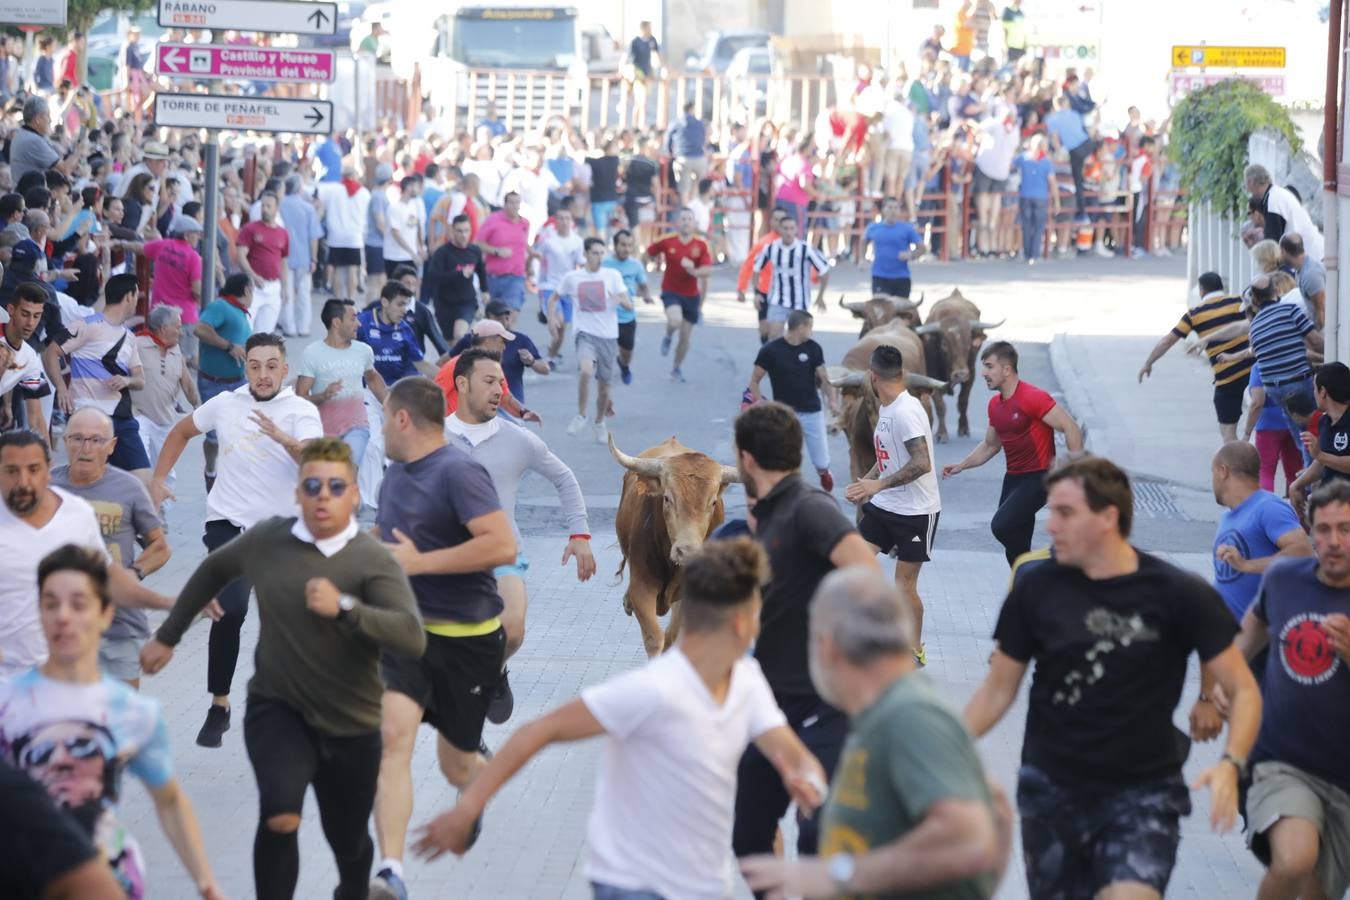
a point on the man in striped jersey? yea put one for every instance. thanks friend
(790, 288)
(1215, 312)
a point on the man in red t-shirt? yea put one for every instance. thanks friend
(1023, 420)
(263, 247)
(687, 258)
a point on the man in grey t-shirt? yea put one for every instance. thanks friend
(30, 150)
(126, 518)
(1310, 273)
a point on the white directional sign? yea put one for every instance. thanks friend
(243, 113)
(274, 16)
(33, 12)
(247, 63)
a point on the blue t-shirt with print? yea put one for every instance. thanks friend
(634, 275)
(232, 324)
(1253, 527)
(397, 349)
(1306, 688)
(889, 241)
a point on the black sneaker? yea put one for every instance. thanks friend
(502, 702)
(217, 723)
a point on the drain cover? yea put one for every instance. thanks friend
(1154, 499)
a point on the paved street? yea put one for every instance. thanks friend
(534, 834)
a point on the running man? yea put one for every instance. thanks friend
(560, 250)
(1100, 790)
(261, 429)
(899, 496)
(895, 243)
(794, 263)
(508, 451)
(1023, 420)
(440, 516)
(762, 277)
(313, 715)
(635, 279)
(687, 258)
(795, 365)
(598, 294)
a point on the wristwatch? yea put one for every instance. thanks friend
(842, 868)
(1238, 763)
(346, 603)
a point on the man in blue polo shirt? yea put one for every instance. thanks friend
(1065, 127)
(384, 326)
(635, 279)
(894, 243)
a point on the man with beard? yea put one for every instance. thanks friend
(263, 247)
(23, 367)
(261, 429)
(36, 519)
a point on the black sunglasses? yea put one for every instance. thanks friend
(314, 486)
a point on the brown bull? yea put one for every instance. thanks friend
(883, 309)
(671, 502)
(952, 335)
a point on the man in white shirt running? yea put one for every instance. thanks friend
(261, 429)
(794, 263)
(597, 294)
(560, 250)
(674, 733)
(508, 451)
(899, 496)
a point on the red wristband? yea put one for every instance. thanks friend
(573, 537)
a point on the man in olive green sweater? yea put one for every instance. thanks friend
(331, 598)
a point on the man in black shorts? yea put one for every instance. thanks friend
(441, 518)
(1111, 629)
(450, 273)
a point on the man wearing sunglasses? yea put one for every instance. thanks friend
(443, 521)
(313, 715)
(261, 429)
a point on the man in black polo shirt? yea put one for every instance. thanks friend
(1330, 447)
(795, 365)
(806, 536)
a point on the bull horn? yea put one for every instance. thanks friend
(985, 326)
(920, 303)
(854, 306)
(928, 328)
(923, 382)
(841, 377)
(730, 475)
(648, 468)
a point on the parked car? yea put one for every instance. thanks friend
(719, 49)
(747, 78)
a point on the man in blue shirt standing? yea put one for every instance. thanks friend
(1065, 127)
(895, 243)
(635, 279)
(302, 224)
(687, 142)
(1036, 196)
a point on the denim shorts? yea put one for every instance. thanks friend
(510, 289)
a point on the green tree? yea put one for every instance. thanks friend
(1210, 130)
(80, 15)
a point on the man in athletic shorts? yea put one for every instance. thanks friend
(1023, 420)
(765, 276)
(440, 516)
(635, 279)
(597, 294)
(687, 259)
(507, 451)
(899, 496)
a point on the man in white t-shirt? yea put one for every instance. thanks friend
(596, 293)
(560, 250)
(22, 367)
(261, 429)
(993, 164)
(675, 731)
(344, 223)
(899, 496)
(405, 227)
(36, 519)
(532, 180)
(898, 123)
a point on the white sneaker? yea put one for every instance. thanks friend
(578, 423)
(1100, 250)
(601, 433)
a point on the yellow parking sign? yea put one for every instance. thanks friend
(1228, 57)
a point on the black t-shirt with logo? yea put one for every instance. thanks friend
(1333, 438)
(792, 372)
(1111, 660)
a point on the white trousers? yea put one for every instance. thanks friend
(298, 312)
(266, 308)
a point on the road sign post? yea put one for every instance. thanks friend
(271, 16)
(1202, 55)
(211, 218)
(243, 113)
(210, 61)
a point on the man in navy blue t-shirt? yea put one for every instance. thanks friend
(520, 353)
(894, 244)
(1299, 801)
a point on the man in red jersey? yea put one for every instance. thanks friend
(687, 259)
(1023, 420)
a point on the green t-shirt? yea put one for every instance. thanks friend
(904, 753)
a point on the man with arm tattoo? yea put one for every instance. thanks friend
(899, 496)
